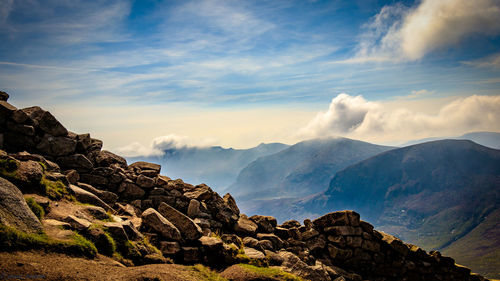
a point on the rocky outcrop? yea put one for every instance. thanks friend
(190, 224)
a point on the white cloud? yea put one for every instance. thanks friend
(160, 144)
(401, 33)
(357, 118)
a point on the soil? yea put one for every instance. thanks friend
(35, 265)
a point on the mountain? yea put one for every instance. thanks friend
(301, 169)
(436, 194)
(489, 139)
(214, 166)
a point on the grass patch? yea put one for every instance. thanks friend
(244, 259)
(55, 190)
(206, 273)
(12, 239)
(270, 272)
(8, 168)
(35, 208)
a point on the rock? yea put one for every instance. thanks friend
(4, 96)
(49, 124)
(106, 196)
(156, 221)
(316, 244)
(190, 254)
(311, 233)
(344, 230)
(277, 242)
(83, 142)
(101, 241)
(232, 238)
(231, 203)
(265, 245)
(292, 264)
(77, 223)
(244, 226)
(87, 197)
(274, 258)
(76, 161)
(150, 168)
(169, 248)
(29, 172)
(20, 117)
(145, 182)
(105, 159)
(371, 246)
(116, 230)
(72, 176)
(56, 223)
(200, 193)
(131, 231)
(211, 244)
(265, 223)
(56, 146)
(187, 227)
(21, 128)
(395, 244)
(130, 190)
(342, 218)
(193, 208)
(253, 253)
(282, 233)
(6, 108)
(290, 224)
(337, 253)
(14, 211)
(94, 179)
(97, 212)
(251, 242)
(126, 210)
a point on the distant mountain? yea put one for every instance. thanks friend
(214, 166)
(436, 194)
(300, 170)
(489, 139)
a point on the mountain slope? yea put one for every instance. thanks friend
(300, 170)
(214, 166)
(430, 194)
(488, 139)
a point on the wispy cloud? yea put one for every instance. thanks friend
(492, 61)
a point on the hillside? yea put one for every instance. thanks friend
(488, 139)
(431, 194)
(300, 170)
(62, 195)
(215, 166)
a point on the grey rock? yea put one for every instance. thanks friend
(49, 124)
(169, 248)
(244, 226)
(106, 196)
(87, 197)
(56, 146)
(264, 223)
(14, 211)
(160, 224)
(77, 223)
(193, 208)
(105, 159)
(187, 227)
(75, 161)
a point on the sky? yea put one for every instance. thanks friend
(143, 75)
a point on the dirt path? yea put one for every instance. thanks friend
(51, 266)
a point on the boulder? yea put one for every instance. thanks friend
(6, 108)
(86, 197)
(116, 230)
(293, 264)
(169, 247)
(21, 128)
(211, 244)
(105, 159)
(342, 218)
(131, 231)
(4, 96)
(231, 203)
(145, 182)
(76, 161)
(344, 230)
(56, 146)
(396, 244)
(193, 208)
(83, 142)
(277, 242)
(20, 117)
(188, 228)
(265, 223)
(72, 176)
(49, 124)
(200, 193)
(254, 254)
(29, 172)
(106, 196)
(14, 211)
(77, 223)
(130, 190)
(160, 224)
(97, 212)
(290, 224)
(251, 242)
(190, 254)
(244, 226)
(149, 168)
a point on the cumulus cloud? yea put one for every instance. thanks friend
(160, 144)
(401, 33)
(357, 118)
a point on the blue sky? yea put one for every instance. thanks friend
(241, 72)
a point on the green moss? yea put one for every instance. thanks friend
(35, 208)
(12, 239)
(8, 168)
(244, 259)
(270, 272)
(55, 190)
(109, 217)
(206, 273)
(44, 167)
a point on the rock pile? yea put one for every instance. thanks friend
(193, 224)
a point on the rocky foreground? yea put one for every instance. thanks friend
(59, 191)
